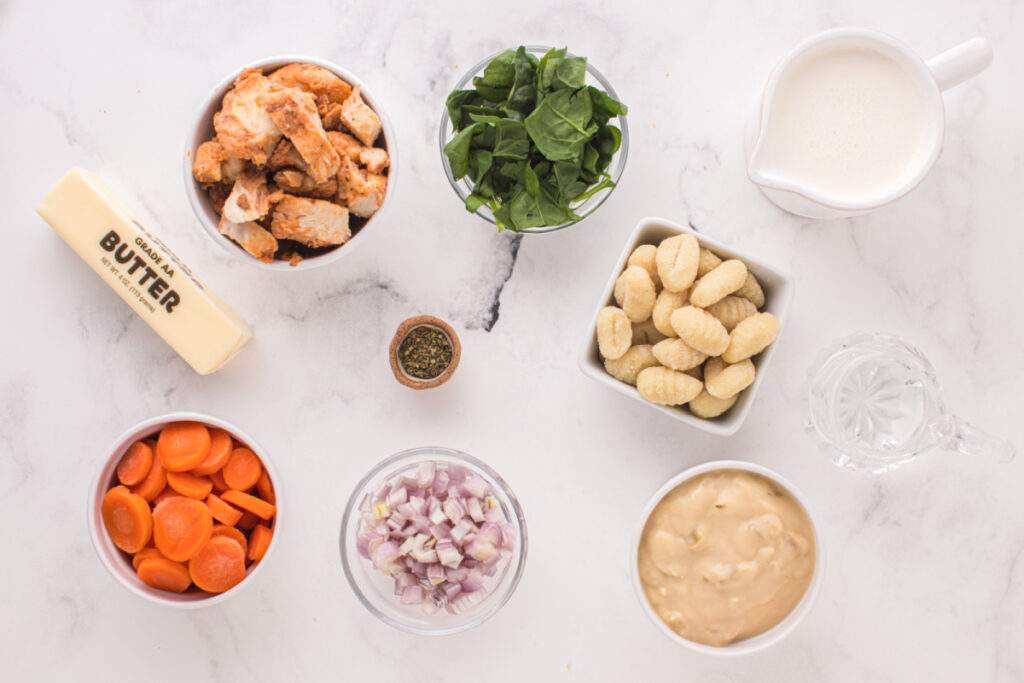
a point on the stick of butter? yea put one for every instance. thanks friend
(144, 272)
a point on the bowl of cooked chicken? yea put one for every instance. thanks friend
(289, 161)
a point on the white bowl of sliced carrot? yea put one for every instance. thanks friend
(184, 510)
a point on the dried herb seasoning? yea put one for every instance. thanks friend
(425, 352)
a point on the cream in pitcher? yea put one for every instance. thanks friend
(852, 120)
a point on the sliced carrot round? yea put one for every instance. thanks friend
(183, 445)
(222, 512)
(135, 464)
(220, 450)
(243, 470)
(127, 519)
(181, 527)
(265, 488)
(260, 508)
(164, 574)
(230, 532)
(219, 485)
(155, 482)
(218, 566)
(259, 541)
(191, 485)
(144, 554)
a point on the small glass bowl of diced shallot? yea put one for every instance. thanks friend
(433, 541)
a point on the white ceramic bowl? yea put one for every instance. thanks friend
(119, 563)
(778, 291)
(775, 633)
(202, 130)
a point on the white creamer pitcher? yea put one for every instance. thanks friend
(853, 119)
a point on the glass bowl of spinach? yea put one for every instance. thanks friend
(533, 139)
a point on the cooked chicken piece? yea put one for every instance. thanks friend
(330, 113)
(218, 195)
(295, 114)
(380, 182)
(252, 237)
(312, 79)
(231, 169)
(286, 156)
(244, 129)
(360, 119)
(249, 198)
(298, 182)
(374, 159)
(313, 222)
(294, 259)
(356, 190)
(345, 144)
(213, 165)
(206, 165)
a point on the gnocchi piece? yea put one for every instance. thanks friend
(708, 262)
(635, 294)
(723, 380)
(730, 310)
(751, 336)
(614, 332)
(644, 256)
(628, 366)
(751, 290)
(719, 283)
(677, 258)
(701, 330)
(663, 306)
(667, 387)
(678, 355)
(707, 406)
(646, 333)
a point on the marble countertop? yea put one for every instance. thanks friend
(925, 576)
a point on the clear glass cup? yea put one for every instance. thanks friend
(376, 591)
(463, 188)
(875, 403)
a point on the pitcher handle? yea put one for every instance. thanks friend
(964, 438)
(957, 64)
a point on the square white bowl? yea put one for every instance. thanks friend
(778, 292)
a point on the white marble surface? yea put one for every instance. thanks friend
(925, 571)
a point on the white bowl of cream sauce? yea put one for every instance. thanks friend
(727, 559)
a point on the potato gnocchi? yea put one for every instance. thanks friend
(667, 387)
(628, 366)
(700, 329)
(677, 258)
(635, 294)
(686, 326)
(614, 332)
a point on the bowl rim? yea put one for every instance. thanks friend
(779, 297)
(777, 632)
(203, 123)
(106, 550)
(619, 160)
(424, 452)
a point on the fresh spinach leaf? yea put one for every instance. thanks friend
(570, 73)
(561, 124)
(457, 150)
(457, 100)
(511, 141)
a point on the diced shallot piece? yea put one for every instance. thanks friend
(474, 486)
(453, 510)
(412, 595)
(447, 554)
(435, 574)
(480, 549)
(475, 509)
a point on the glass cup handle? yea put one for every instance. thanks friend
(959, 435)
